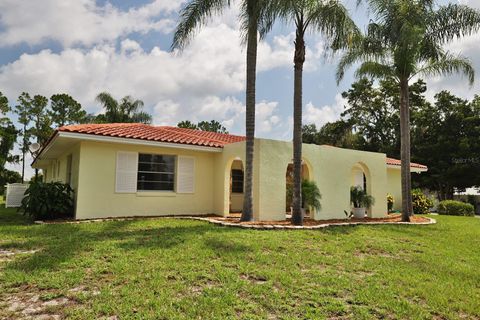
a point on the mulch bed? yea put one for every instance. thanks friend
(391, 218)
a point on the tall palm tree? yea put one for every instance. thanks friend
(127, 109)
(255, 18)
(331, 19)
(407, 40)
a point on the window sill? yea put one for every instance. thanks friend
(156, 194)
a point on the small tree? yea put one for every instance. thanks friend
(23, 110)
(65, 110)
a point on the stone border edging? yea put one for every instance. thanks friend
(287, 227)
(247, 226)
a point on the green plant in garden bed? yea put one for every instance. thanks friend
(390, 202)
(456, 208)
(48, 201)
(421, 203)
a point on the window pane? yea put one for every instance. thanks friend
(155, 186)
(156, 172)
(237, 181)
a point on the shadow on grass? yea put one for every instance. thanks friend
(59, 243)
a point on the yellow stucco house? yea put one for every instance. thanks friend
(140, 170)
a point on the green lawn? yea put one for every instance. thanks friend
(179, 269)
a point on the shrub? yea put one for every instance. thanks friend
(310, 195)
(390, 202)
(421, 203)
(455, 208)
(48, 201)
(360, 199)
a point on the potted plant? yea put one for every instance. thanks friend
(361, 201)
(310, 196)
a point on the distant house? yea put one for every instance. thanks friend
(140, 170)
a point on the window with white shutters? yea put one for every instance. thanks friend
(126, 172)
(186, 175)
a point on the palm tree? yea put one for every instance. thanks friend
(255, 18)
(330, 18)
(126, 110)
(406, 41)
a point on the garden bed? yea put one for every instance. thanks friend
(391, 218)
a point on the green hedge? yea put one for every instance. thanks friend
(455, 208)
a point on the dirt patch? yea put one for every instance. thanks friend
(392, 218)
(253, 278)
(8, 255)
(43, 305)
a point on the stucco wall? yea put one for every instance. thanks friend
(94, 164)
(330, 168)
(56, 170)
(97, 197)
(395, 187)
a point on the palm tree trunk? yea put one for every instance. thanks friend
(247, 212)
(407, 207)
(299, 59)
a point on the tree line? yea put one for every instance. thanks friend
(445, 133)
(404, 39)
(38, 116)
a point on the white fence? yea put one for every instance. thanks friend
(15, 194)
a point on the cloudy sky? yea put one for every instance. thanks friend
(83, 47)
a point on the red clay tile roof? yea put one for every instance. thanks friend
(155, 133)
(171, 135)
(396, 162)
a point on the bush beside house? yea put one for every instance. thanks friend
(48, 201)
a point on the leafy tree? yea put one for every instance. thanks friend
(212, 126)
(186, 124)
(65, 110)
(41, 122)
(331, 19)
(256, 17)
(23, 110)
(405, 41)
(8, 133)
(445, 137)
(126, 110)
(7, 177)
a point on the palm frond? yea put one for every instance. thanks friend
(374, 70)
(109, 103)
(453, 21)
(192, 16)
(449, 64)
(334, 22)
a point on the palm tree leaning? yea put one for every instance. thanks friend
(406, 41)
(330, 18)
(254, 18)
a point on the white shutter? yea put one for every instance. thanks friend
(186, 175)
(126, 172)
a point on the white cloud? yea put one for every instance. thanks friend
(73, 22)
(322, 115)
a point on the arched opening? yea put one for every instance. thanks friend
(360, 178)
(306, 175)
(236, 187)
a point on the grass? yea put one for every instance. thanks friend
(180, 269)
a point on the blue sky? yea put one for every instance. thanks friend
(83, 47)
